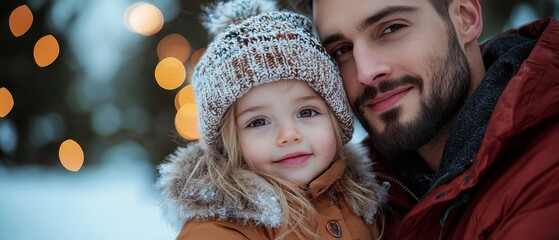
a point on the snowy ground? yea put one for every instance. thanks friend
(109, 202)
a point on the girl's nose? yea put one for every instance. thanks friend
(288, 134)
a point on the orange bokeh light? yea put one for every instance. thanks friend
(196, 57)
(186, 122)
(46, 51)
(170, 73)
(20, 20)
(177, 102)
(143, 18)
(71, 155)
(174, 45)
(184, 96)
(6, 102)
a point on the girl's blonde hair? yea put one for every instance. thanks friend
(298, 211)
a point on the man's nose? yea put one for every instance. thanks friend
(371, 66)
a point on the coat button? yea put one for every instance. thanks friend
(334, 228)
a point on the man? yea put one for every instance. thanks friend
(466, 136)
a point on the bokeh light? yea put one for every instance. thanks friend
(46, 128)
(186, 122)
(196, 57)
(46, 51)
(106, 119)
(8, 136)
(174, 45)
(6, 102)
(20, 20)
(177, 100)
(170, 73)
(185, 95)
(71, 155)
(143, 18)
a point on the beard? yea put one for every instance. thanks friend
(450, 75)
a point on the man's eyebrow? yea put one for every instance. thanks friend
(390, 10)
(332, 38)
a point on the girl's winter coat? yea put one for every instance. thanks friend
(205, 213)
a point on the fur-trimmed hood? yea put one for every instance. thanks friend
(201, 199)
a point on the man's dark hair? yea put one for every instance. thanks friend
(303, 6)
(441, 6)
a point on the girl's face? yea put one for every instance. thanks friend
(285, 130)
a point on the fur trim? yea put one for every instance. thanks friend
(201, 200)
(359, 169)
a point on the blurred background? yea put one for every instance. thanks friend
(95, 93)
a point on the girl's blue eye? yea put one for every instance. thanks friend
(258, 123)
(306, 113)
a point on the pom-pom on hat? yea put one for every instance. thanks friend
(254, 44)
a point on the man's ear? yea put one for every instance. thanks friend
(468, 20)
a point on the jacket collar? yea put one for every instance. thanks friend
(527, 104)
(323, 182)
(202, 199)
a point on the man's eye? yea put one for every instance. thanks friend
(393, 28)
(258, 123)
(305, 113)
(341, 51)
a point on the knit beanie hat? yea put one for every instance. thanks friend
(254, 44)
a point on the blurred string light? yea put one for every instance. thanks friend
(46, 128)
(71, 155)
(106, 119)
(196, 57)
(185, 95)
(170, 73)
(46, 51)
(174, 45)
(186, 122)
(186, 119)
(143, 18)
(20, 20)
(6, 102)
(8, 136)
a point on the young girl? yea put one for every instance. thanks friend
(274, 162)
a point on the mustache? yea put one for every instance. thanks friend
(387, 85)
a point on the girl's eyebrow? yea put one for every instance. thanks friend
(307, 98)
(250, 109)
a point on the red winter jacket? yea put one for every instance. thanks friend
(511, 190)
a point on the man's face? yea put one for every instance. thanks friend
(403, 69)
